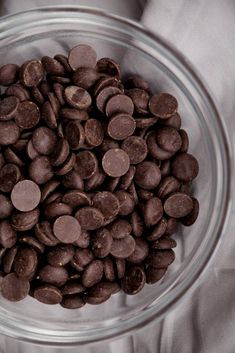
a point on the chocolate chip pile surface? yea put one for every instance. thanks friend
(95, 177)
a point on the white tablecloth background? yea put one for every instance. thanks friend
(204, 31)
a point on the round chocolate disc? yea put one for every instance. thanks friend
(25, 195)
(121, 126)
(67, 229)
(115, 162)
(14, 288)
(82, 56)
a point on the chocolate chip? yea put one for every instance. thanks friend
(154, 150)
(140, 253)
(8, 108)
(75, 134)
(108, 66)
(56, 276)
(86, 164)
(192, 216)
(92, 273)
(108, 144)
(12, 157)
(72, 287)
(109, 269)
(85, 77)
(127, 179)
(64, 61)
(6, 207)
(133, 281)
(137, 224)
(163, 105)
(76, 198)
(67, 166)
(107, 81)
(168, 139)
(147, 175)
(9, 175)
(123, 248)
(104, 95)
(31, 151)
(18, 91)
(136, 81)
(136, 148)
(178, 205)
(94, 132)
(154, 275)
(27, 115)
(23, 221)
(115, 162)
(32, 242)
(74, 114)
(146, 122)
(52, 66)
(163, 243)
(44, 233)
(72, 180)
(60, 255)
(185, 140)
(73, 301)
(158, 231)
(153, 211)
(132, 191)
(8, 74)
(9, 133)
(9, 258)
(8, 236)
(167, 186)
(120, 229)
(67, 229)
(14, 289)
(160, 258)
(101, 243)
(47, 294)
(172, 225)
(185, 167)
(140, 98)
(40, 170)
(121, 126)
(59, 92)
(31, 73)
(126, 202)
(25, 262)
(174, 121)
(77, 97)
(90, 218)
(37, 96)
(44, 140)
(119, 104)
(82, 55)
(48, 115)
(60, 153)
(107, 203)
(48, 189)
(25, 195)
(104, 289)
(120, 267)
(145, 195)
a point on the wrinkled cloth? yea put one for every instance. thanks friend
(204, 31)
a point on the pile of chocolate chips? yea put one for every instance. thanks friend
(94, 179)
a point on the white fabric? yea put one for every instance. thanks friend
(204, 30)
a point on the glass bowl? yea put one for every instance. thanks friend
(49, 31)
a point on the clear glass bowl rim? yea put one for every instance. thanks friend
(11, 24)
